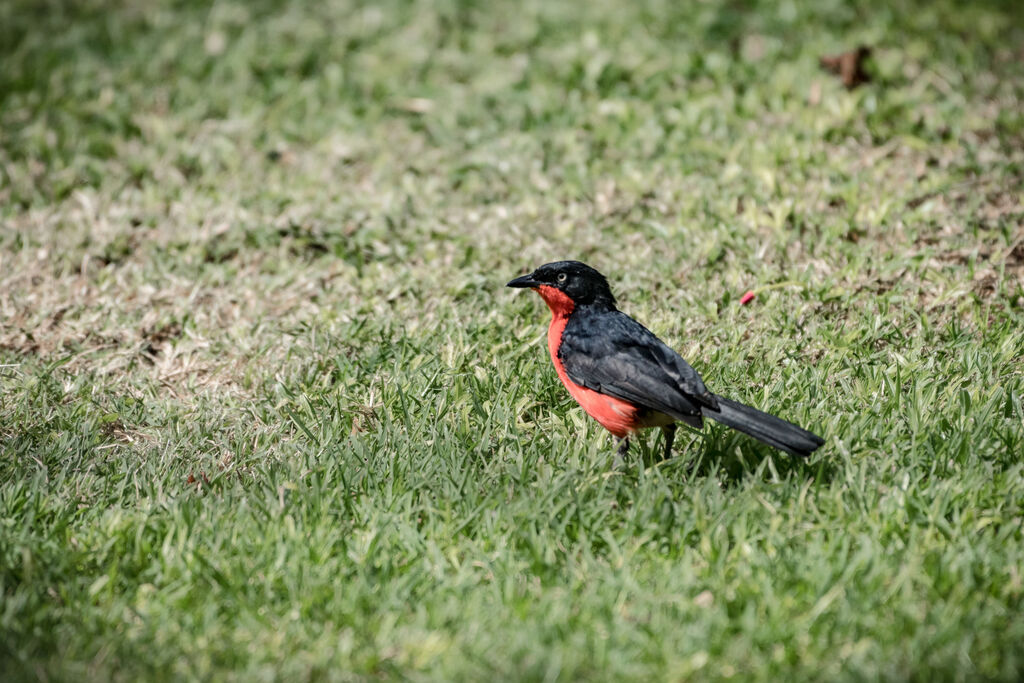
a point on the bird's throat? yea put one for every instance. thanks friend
(561, 308)
(557, 300)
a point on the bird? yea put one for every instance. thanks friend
(626, 378)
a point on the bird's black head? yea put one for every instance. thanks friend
(581, 283)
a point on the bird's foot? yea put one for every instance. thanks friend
(620, 453)
(670, 436)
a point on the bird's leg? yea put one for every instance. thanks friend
(621, 451)
(670, 435)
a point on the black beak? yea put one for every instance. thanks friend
(524, 281)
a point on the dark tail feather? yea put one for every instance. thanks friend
(771, 430)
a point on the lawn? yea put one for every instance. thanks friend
(267, 411)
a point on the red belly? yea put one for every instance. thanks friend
(619, 417)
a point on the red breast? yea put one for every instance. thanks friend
(617, 416)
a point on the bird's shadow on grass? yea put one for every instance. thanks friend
(732, 458)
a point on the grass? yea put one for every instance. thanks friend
(267, 412)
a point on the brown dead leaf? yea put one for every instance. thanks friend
(849, 66)
(198, 481)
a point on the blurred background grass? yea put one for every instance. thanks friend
(266, 411)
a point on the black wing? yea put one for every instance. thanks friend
(612, 354)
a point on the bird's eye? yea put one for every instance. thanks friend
(562, 277)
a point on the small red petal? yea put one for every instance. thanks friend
(747, 298)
